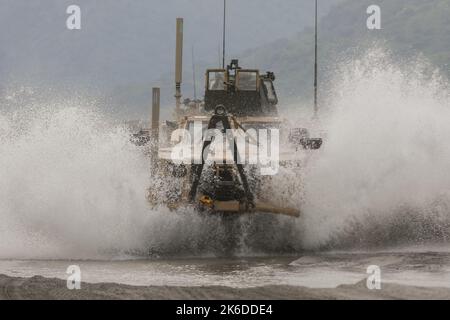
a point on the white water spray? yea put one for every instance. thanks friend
(73, 186)
(382, 177)
(70, 185)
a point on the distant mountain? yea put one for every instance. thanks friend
(125, 45)
(409, 28)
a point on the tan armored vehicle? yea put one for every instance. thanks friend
(223, 149)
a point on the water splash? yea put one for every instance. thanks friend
(381, 179)
(70, 184)
(73, 186)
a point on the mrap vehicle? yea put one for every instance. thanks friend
(238, 105)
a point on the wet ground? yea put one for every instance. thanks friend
(419, 268)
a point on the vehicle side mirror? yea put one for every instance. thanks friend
(300, 137)
(312, 144)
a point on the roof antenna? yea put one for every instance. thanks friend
(224, 32)
(316, 108)
(193, 74)
(219, 53)
(179, 64)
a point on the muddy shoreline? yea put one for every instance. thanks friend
(40, 288)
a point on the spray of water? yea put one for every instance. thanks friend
(70, 185)
(382, 178)
(73, 186)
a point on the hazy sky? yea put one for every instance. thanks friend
(132, 41)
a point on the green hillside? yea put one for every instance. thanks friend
(124, 46)
(409, 28)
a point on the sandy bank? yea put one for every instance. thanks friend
(45, 288)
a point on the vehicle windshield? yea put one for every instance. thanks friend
(216, 80)
(248, 80)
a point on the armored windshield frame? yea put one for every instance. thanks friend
(216, 71)
(239, 85)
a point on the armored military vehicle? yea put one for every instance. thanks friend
(239, 114)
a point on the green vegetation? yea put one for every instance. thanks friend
(409, 28)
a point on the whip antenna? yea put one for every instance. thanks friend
(193, 74)
(224, 32)
(316, 108)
